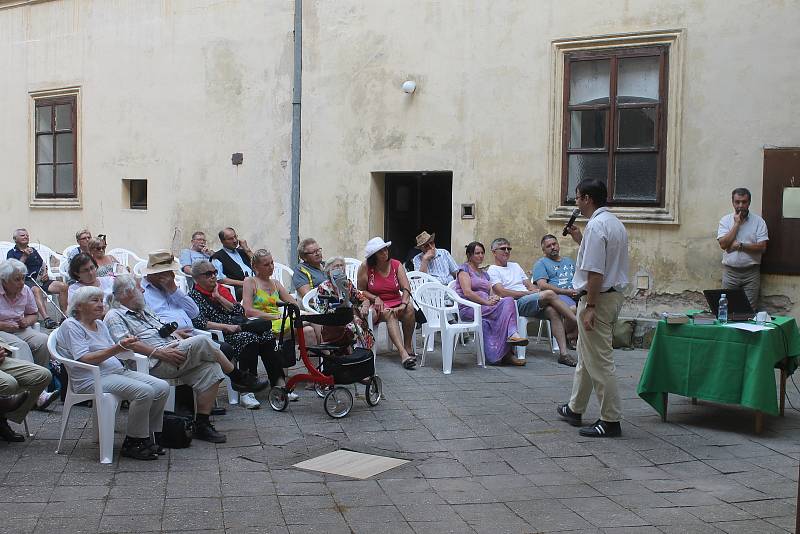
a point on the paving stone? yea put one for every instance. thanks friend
(748, 527)
(130, 523)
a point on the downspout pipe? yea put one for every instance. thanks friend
(294, 223)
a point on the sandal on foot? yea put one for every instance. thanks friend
(409, 363)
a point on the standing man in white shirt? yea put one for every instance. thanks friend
(601, 273)
(743, 237)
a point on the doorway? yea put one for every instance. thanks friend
(416, 201)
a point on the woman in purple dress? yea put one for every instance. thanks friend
(499, 315)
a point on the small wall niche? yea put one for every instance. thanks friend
(134, 194)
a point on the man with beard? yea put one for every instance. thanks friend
(555, 272)
(196, 361)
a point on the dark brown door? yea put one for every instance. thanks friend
(779, 209)
(417, 201)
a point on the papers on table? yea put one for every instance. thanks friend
(750, 327)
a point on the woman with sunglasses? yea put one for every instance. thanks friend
(220, 311)
(107, 265)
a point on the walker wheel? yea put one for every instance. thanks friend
(374, 390)
(338, 402)
(278, 398)
(321, 389)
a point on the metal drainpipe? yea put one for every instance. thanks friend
(294, 225)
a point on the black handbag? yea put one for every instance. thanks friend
(256, 326)
(176, 432)
(419, 315)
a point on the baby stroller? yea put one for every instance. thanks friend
(336, 368)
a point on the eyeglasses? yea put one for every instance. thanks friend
(87, 269)
(312, 252)
(209, 273)
(504, 249)
(98, 248)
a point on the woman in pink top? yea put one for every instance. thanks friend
(385, 284)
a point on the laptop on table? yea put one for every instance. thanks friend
(739, 308)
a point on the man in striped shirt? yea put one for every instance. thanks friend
(436, 262)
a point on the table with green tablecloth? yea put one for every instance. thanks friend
(721, 364)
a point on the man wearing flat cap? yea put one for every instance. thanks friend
(437, 262)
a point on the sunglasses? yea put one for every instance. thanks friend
(210, 273)
(504, 249)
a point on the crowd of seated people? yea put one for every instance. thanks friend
(110, 311)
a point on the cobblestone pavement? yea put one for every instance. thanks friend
(488, 455)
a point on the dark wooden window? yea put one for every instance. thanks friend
(615, 108)
(56, 148)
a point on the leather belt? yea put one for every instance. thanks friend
(584, 292)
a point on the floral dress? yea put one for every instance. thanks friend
(358, 326)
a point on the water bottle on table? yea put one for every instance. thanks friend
(722, 313)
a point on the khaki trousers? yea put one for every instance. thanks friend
(596, 368)
(18, 375)
(746, 278)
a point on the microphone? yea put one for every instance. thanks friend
(572, 218)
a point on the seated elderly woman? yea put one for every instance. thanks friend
(384, 282)
(498, 315)
(220, 311)
(107, 265)
(18, 313)
(85, 338)
(337, 291)
(83, 269)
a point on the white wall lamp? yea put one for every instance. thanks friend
(409, 86)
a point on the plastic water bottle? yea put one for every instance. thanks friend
(723, 309)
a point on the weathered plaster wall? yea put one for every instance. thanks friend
(169, 90)
(481, 109)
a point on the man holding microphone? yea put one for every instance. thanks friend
(601, 272)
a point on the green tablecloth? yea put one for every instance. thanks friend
(718, 363)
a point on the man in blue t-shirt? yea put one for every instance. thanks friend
(555, 273)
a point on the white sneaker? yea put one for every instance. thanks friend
(46, 399)
(292, 396)
(249, 401)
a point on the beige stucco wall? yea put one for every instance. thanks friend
(482, 109)
(169, 90)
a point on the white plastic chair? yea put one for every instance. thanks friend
(63, 269)
(433, 297)
(54, 273)
(415, 280)
(351, 266)
(310, 301)
(383, 330)
(138, 269)
(283, 274)
(126, 257)
(5, 246)
(104, 405)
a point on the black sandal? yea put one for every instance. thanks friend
(410, 363)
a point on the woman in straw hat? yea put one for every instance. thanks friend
(384, 282)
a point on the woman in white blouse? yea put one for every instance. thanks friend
(85, 338)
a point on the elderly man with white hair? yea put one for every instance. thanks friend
(84, 337)
(196, 361)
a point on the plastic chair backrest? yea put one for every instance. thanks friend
(310, 300)
(351, 266)
(283, 274)
(47, 254)
(433, 297)
(417, 278)
(138, 269)
(5, 246)
(126, 257)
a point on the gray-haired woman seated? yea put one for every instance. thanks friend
(85, 338)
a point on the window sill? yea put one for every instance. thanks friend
(626, 214)
(62, 203)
